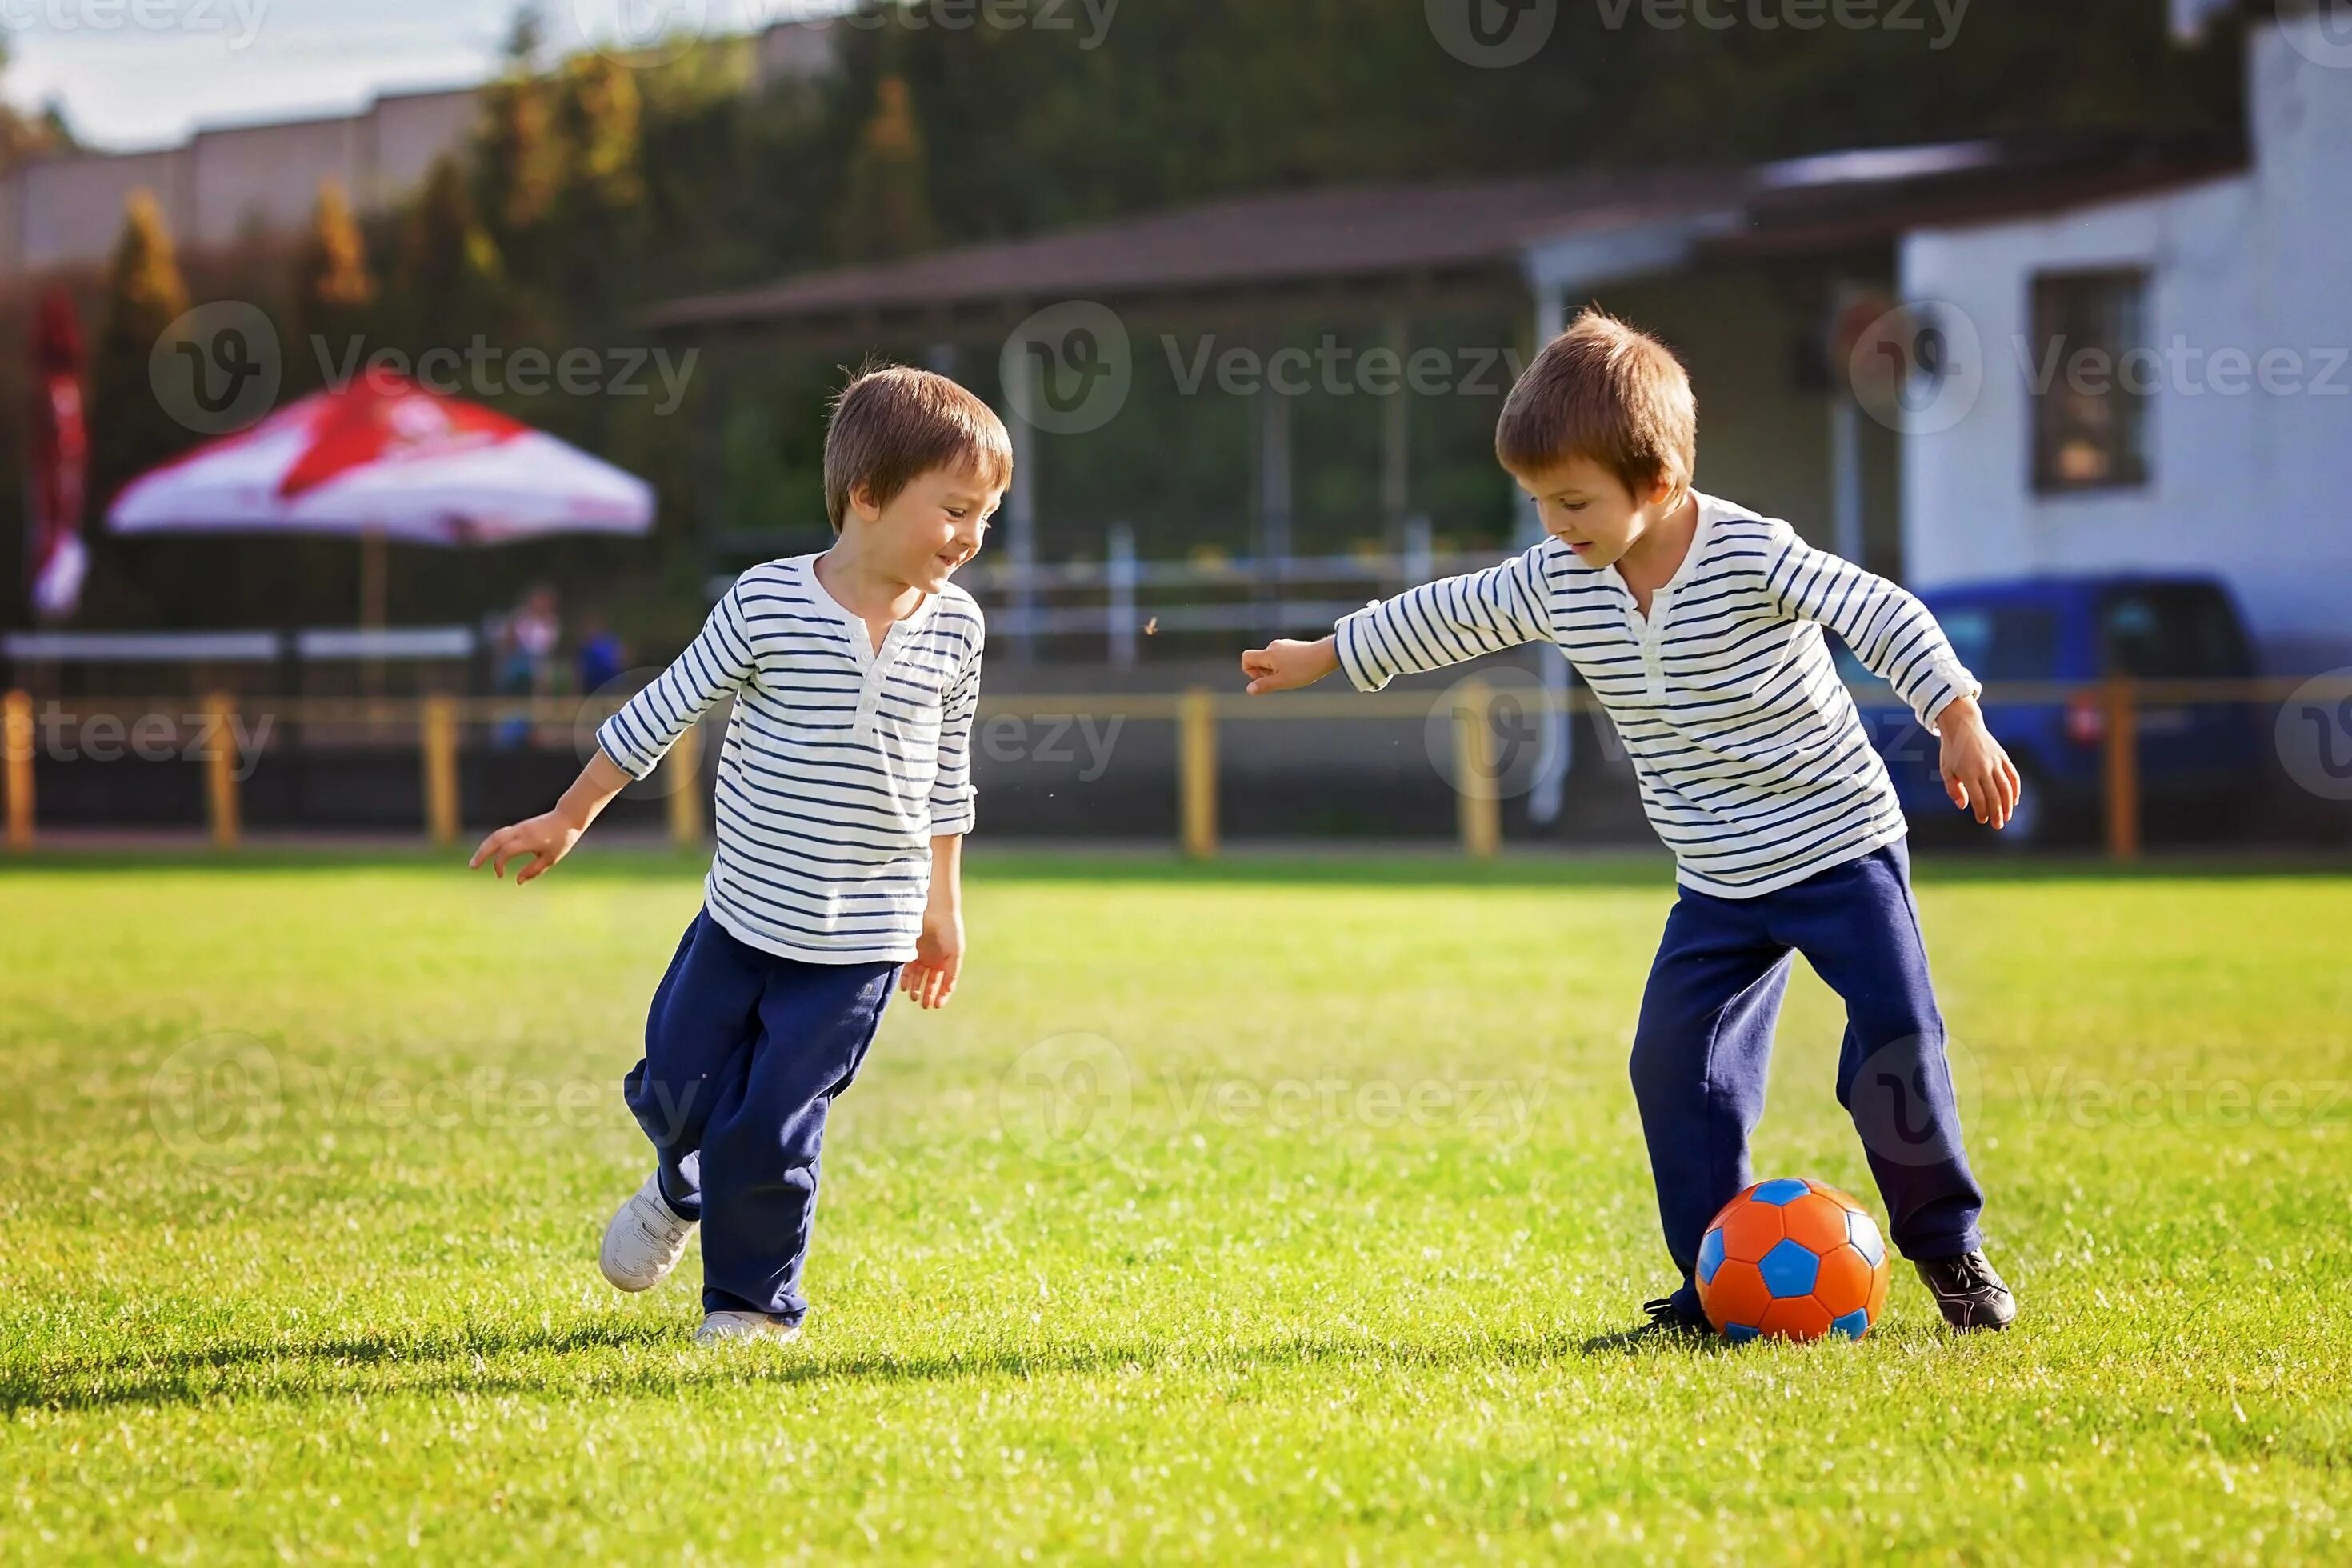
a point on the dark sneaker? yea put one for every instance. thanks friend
(1668, 1322)
(1971, 1295)
(1669, 1317)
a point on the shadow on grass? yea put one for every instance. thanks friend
(455, 1363)
(1647, 1339)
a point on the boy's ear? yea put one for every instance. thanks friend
(861, 500)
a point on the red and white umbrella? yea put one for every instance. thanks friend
(383, 457)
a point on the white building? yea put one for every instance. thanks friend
(2167, 377)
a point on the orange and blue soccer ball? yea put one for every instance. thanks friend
(1793, 1259)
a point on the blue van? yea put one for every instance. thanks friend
(2202, 756)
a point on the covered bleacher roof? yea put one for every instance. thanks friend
(1434, 242)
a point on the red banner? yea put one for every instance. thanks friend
(56, 465)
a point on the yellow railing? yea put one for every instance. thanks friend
(437, 725)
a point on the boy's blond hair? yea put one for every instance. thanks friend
(893, 424)
(1608, 393)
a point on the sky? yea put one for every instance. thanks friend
(143, 73)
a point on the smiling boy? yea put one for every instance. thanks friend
(845, 791)
(1698, 626)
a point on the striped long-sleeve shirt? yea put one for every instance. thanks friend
(1752, 762)
(840, 762)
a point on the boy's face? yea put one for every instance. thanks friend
(1588, 509)
(930, 527)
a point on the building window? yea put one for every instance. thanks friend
(2090, 379)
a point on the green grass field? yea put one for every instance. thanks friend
(1271, 1211)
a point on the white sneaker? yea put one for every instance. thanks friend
(722, 1328)
(643, 1241)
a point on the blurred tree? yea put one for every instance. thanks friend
(595, 230)
(515, 158)
(887, 204)
(1031, 127)
(333, 292)
(598, 119)
(129, 429)
(449, 268)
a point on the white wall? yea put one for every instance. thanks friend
(2251, 485)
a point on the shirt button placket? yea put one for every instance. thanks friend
(870, 689)
(1653, 670)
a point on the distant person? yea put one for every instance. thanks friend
(526, 645)
(536, 629)
(602, 655)
(1699, 625)
(844, 792)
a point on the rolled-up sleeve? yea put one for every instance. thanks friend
(716, 663)
(1887, 627)
(954, 801)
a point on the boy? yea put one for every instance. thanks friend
(1698, 626)
(845, 791)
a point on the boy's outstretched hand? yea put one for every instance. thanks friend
(1978, 774)
(542, 840)
(538, 841)
(1286, 664)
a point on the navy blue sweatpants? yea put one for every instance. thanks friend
(1705, 1039)
(745, 1052)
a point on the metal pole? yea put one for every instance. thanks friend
(375, 570)
(1396, 440)
(1420, 553)
(1556, 751)
(1020, 507)
(1273, 495)
(1122, 595)
(1845, 476)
